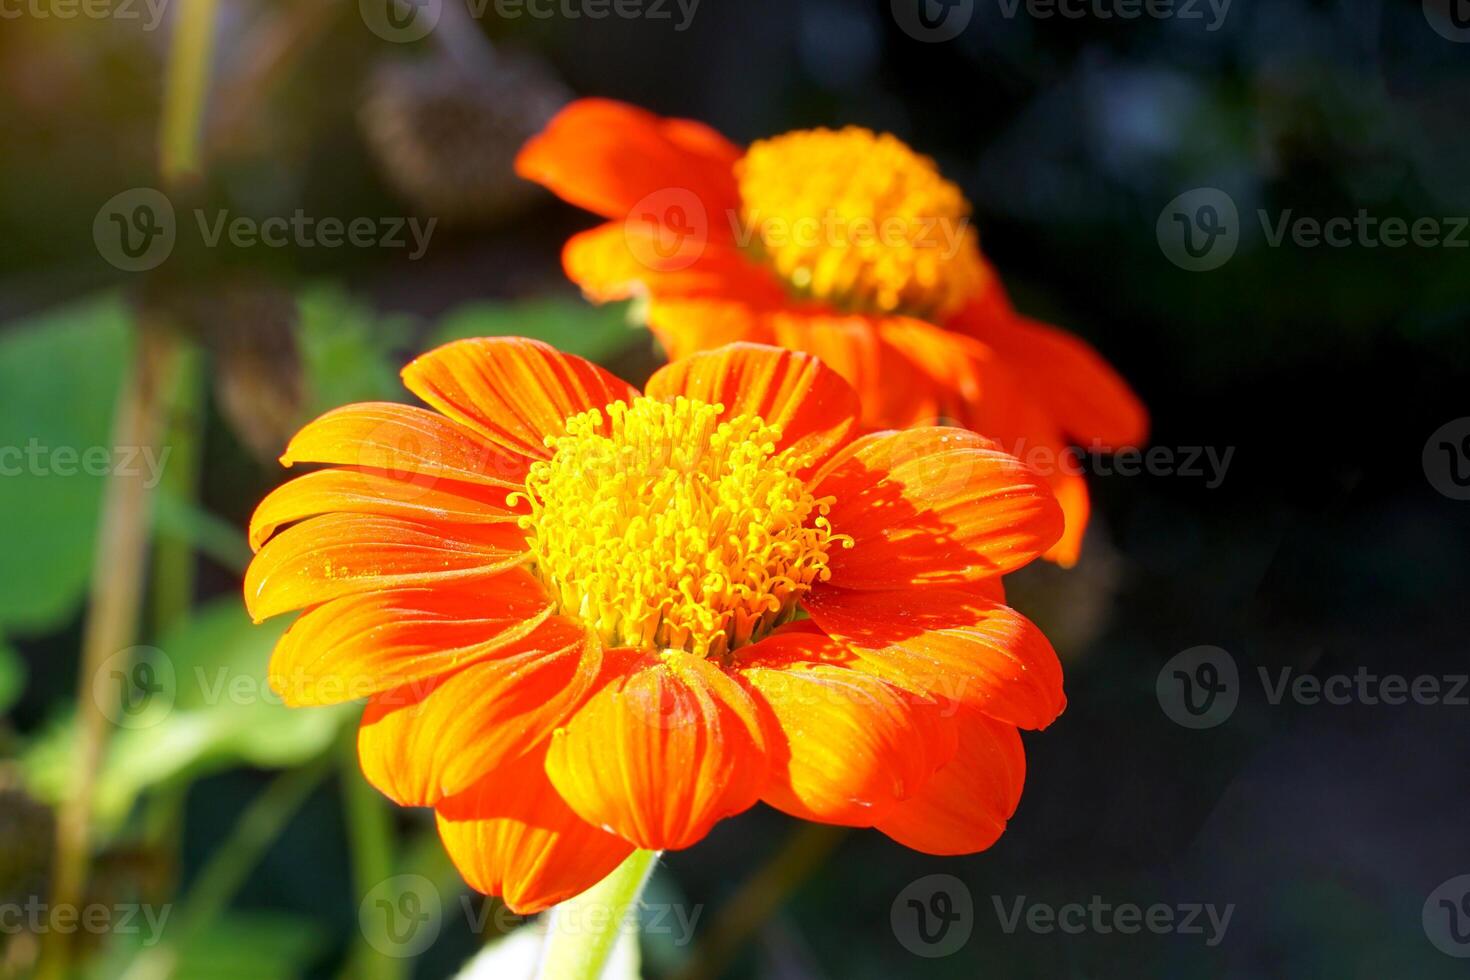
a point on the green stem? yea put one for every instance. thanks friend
(173, 551)
(582, 931)
(190, 49)
(118, 563)
(370, 843)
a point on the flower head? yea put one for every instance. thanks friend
(588, 619)
(843, 243)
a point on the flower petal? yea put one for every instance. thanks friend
(342, 554)
(949, 643)
(359, 645)
(894, 392)
(934, 505)
(1072, 496)
(430, 739)
(607, 156)
(687, 325)
(815, 408)
(404, 442)
(965, 806)
(618, 260)
(666, 748)
(844, 746)
(511, 835)
(350, 490)
(513, 391)
(1089, 399)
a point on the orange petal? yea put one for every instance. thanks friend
(1072, 496)
(844, 746)
(965, 806)
(685, 326)
(949, 643)
(430, 739)
(893, 390)
(404, 442)
(815, 408)
(934, 505)
(511, 390)
(607, 156)
(667, 748)
(345, 490)
(1089, 400)
(511, 835)
(342, 554)
(359, 645)
(619, 260)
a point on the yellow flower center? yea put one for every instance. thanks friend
(861, 221)
(662, 527)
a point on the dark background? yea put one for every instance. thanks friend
(1325, 547)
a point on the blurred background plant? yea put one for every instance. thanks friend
(131, 682)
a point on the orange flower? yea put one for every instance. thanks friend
(845, 244)
(576, 612)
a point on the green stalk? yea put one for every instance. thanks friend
(173, 552)
(119, 559)
(370, 843)
(582, 931)
(190, 49)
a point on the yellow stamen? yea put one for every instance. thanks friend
(861, 221)
(662, 527)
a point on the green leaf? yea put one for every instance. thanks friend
(242, 946)
(59, 377)
(202, 706)
(577, 327)
(347, 349)
(12, 677)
